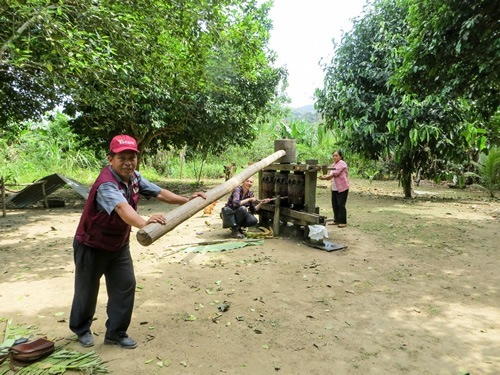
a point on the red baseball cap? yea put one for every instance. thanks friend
(123, 142)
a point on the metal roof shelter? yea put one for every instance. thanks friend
(42, 188)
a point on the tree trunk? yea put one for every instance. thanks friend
(406, 182)
(151, 232)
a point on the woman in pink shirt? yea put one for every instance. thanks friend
(340, 188)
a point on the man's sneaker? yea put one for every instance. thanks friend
(123, 341)
(86, 340)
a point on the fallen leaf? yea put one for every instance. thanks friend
(190, 318)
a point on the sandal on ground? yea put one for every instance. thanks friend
(235, 233)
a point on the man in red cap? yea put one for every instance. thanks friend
(101, 243)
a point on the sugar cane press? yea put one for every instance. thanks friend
(292, 188)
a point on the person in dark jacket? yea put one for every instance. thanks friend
(239, 211)
(101, 243)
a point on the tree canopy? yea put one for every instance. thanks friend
(374, 117)
(166, 72)
(453, 50)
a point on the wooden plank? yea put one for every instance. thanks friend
(294, 167)
(306, 217)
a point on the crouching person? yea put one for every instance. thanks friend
(240, 209)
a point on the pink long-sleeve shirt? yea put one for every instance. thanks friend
(340, 181)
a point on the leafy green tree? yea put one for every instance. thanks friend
(204, 85)
(454, 51)
(166, 72)
(44, 46)
(374, 118)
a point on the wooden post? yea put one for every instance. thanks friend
(261, 186)
(310, 190)
(2, 186)
(276, 218)
(151, 232)
(45, 200)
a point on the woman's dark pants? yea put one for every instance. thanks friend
(339, 201)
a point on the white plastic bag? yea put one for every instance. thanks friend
(317, 232)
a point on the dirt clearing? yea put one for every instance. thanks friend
(416, 291)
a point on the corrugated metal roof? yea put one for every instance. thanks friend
(34, 193)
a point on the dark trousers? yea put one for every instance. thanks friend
(244, 218)
(339, 201)
(118, 271)
(239, 217)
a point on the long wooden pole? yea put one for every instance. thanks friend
(151, 232)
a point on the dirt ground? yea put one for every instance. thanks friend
(415, 292)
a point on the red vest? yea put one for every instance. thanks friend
(100, 230)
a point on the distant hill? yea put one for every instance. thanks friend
(305, 108)
(306, 113)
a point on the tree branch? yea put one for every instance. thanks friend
(20, 31)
